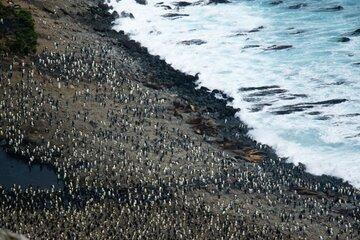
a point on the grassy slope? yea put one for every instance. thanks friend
(17, 31)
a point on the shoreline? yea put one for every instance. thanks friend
(198, 114)
(185, 86)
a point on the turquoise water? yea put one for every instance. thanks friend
(293, 68)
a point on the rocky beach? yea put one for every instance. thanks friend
(141, 152)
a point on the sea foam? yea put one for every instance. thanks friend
(293, 72)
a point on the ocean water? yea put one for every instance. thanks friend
(292, 66)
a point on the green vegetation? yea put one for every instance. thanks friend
(17, 31)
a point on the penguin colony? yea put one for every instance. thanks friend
(133, 170)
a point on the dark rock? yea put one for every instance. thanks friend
(314, 113)
(297, 32)
(355, 33)
(251, 46)
(259, 107)
(175, 15)
(142, 2)
(218, 1)
(293, 96)
(332, 9)
(322, 118)
(279, 47)
(330, 102)
(276, 2)
(268, 92)
(124, 14)
(298, 6)
(288, 109)
(192, 42)
(258, 88)
(256, 29)
(161, 4)
(182, 4)
(344, 39)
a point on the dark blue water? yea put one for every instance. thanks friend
(18, 172)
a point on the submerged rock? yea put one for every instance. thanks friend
(256, 29)
(251, 46)
(276, 2)
(182, 4)
(344, 39)
(175, 15)
(218, 1)
(298, 6)
(245, 89)
(192, 42)
(288, 109)
(279, 47)
(332, 9)
(355, 33)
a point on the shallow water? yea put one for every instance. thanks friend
(293, 68)
(14, 171)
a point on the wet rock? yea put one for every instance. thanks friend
(298, 6)
(276, 2)
(218, 1)
(256, 29)
(293, 96)
(297, 32)
(245, 89)
(270, 92)
(259, 107)
(322, 118)
(291, 109)
(332, 9)
(315, 113)
(344, 39)
(161, 4)
(124, 14)
(288, 109)
(192, 42)
(251, 46)
(175, 15)
(182, 4)
(142, 2)
(330, 102)
(278, 47)
(355, 33)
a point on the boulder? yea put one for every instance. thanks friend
(7, 235)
